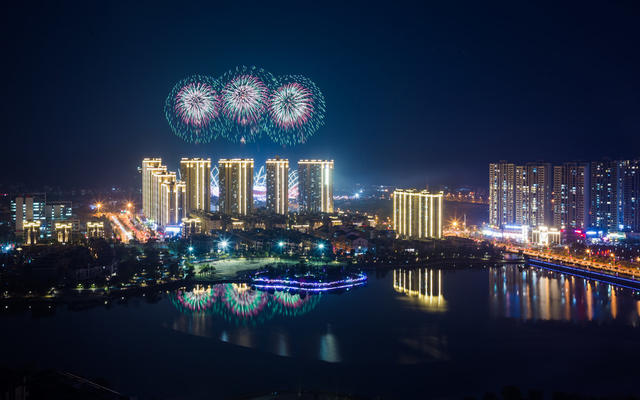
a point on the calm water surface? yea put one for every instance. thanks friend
(421, 332)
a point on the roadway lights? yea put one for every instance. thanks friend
(190, 249)
(281, 244)
(321, 246)
(224, 244)
(129, 205)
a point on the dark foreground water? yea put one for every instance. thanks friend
(422, 333)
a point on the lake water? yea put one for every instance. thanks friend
(408, 333)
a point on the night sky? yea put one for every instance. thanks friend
(415, 94)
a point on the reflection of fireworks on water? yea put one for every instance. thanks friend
(198, 299)
(259, 184)
(243, 301)
(292, 304)
(242, 304)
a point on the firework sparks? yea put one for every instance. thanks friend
(296, 110)
(244, 104)
(193, 109)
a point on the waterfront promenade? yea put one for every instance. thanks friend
(584, 263)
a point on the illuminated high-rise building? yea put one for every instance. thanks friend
(315, 186)
(173, 202)
(502, 194)
(629, 196)
(235, 178)
(149, 167)
(168, 199)
(278, 185)
(164, 197)
(417, 214)
(196, 174)
(533, 188)
(604, 195)
(571, 195)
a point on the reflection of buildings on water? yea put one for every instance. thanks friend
(425, 285)
(536, 294)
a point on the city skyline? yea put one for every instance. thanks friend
(319, 200)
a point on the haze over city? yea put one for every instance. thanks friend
(416, 93)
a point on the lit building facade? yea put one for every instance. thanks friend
(315, 186)
(417, 214)
(191, 226)
(29, 208)
(150, 166)
(63, 231)
(278, 185)
(31, 231)
(604, 195)
(502, 193)
(196, 174)
(545, 236)
(571, 195)
(629, 196)
(236, 186)
(95, 229)
(533, 189)
(57, 211)
(164, 197)
(173, 202)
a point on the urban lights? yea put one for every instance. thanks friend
(223, 245)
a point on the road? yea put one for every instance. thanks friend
(634, 273)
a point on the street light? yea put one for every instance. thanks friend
(281, 244)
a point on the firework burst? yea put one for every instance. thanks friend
(296, 110)
(244, 101)
(193, 109)
(243, 104)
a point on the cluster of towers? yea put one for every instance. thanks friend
(167, 198)
(599, 194)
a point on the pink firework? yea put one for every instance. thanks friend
(291, 106)
(196, 104)
(244, 99)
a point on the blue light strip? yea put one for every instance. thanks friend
(635, 289)
(360, 279)
(311, 289)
